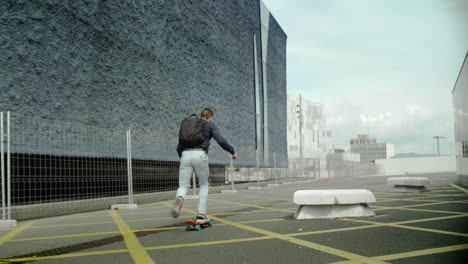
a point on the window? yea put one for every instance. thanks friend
(293, 148)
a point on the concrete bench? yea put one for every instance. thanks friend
(408, 184)
(316, 204)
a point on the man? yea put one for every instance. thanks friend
(196, 158)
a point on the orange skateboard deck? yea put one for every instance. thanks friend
(197, 225)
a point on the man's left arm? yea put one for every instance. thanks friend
(220, 139)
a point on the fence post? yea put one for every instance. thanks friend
(129, 164)
(6, 223)
(232, 180)
(274, 164)
(130, 204)
(8, 168)
(3, 167)
(274, 170)
(258, 180)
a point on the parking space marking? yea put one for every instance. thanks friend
(402, 225)
(139, 255)
(64, 236)
(423, 252)
(117, 232)
(290, 239)
(460, 188)
(419, 210)
(428, 219)
(70, 255)
(430, 230)
(208, 243)
(7, 237)
(70, 225)
(335, 230)
(308, 244)
(257, 206)
(429, 204)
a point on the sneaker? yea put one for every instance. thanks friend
(175, 211)
(203, 218)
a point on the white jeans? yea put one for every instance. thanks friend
(198, 161)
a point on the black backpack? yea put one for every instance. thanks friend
(192, 131)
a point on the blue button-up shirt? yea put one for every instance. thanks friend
(211, 131)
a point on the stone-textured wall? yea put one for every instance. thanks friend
(144, 65)
(277, 95)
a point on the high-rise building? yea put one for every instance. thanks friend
(460, 111)
(317, 140)
(370, 150)
(146, 66)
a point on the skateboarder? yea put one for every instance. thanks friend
(193, 151)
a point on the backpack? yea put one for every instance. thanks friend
(192, 131)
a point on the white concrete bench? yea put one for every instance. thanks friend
(408, 184)
(316, 204)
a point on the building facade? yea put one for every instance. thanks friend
(460, 112)
(144, 66)
(317, 140)
(370, 150)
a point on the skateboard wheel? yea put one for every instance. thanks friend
(210, 223)
(187, 228)
(198, 227)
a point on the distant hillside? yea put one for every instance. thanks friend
(412, 155)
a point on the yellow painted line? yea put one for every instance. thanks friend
(405, 222)
(13, 233)
(71, 255)
(70, 225)
(246, 212)
(262, 221)
(460, 188)
(419, 210)
(326, 249)
(400, 225)
(209, 243)
(430, 230)
(260, 207)
(265, 198)
(117, 232)
(139, 255)
(428, 219)
(423, 252)
(335, 230)
(63, 236)
(428, 204)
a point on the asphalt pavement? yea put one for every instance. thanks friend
(258, 226)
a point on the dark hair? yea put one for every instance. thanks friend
(207, 112)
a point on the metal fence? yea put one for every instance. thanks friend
(47, 161)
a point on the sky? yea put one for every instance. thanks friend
(382, 67)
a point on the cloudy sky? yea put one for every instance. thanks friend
(383, 67)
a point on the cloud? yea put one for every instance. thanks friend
(410, 127)
(386, 68)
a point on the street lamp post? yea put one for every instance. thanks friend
(437, 138)
(299, 111)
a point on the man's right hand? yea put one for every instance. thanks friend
(234, 156)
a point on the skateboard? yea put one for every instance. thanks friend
(197, 225)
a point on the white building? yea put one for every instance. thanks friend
(460, 112)
(370, 150)
(317, 141)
